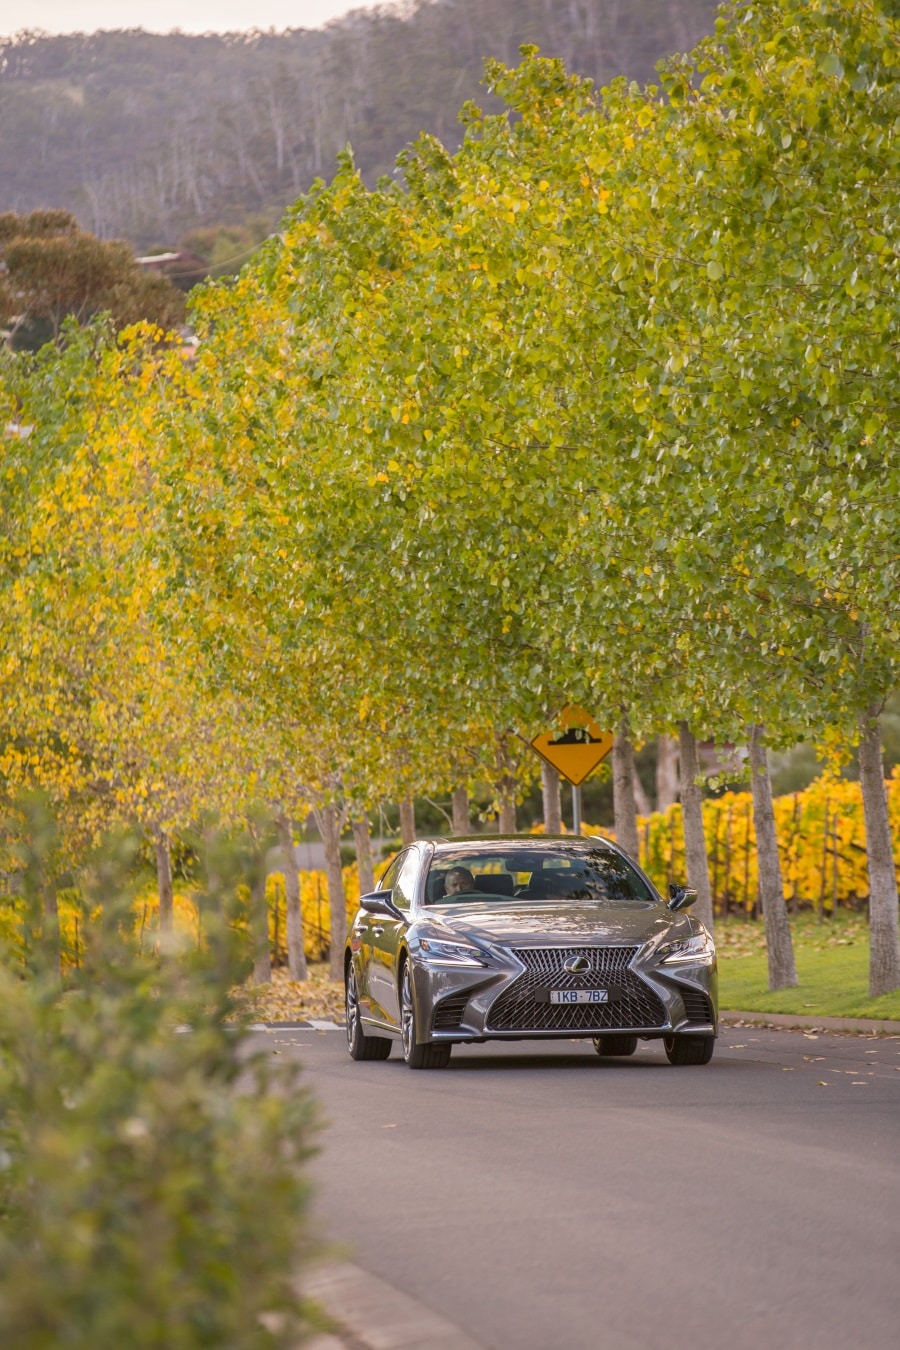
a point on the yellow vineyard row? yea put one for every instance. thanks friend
(188, 921)
(821, 840)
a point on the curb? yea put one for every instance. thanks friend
(372, 1315)
(788, 1022)
(312, 1024)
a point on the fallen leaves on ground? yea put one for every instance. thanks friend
(747, 937)
(287, 1000)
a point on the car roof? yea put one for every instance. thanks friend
(481, 843)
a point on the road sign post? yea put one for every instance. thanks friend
(576, 809)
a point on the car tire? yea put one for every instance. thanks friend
(689, 1049)
(417, 1056)
(359, 1044)
(615, 1045)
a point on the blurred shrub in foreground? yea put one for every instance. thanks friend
(151, 1162)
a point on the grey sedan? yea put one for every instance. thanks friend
(526, 937)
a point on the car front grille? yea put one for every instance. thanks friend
(449, 1012)
(697, 1006)
(632, 1002)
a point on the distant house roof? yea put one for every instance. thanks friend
(175, 265)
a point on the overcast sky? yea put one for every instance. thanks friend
(160, 16)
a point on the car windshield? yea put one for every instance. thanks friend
(554, 873)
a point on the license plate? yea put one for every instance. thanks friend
(579, 995)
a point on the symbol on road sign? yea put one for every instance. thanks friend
(577, 748)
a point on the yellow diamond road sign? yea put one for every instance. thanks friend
(577, 747)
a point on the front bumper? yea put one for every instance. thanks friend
(508, 999)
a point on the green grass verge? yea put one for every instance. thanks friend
(832, 962)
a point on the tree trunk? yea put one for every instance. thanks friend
(641, 800)
(666, 772)
(694, 836)
(624, 809)
(506, 820)
(211, 862)
(297, 968)
(51, 934)
(552, 797)
(782, 971)
(884, 947)
(363, 845)
(407, 822)
(462, 823)
(164, 887)
(259, 921)
(329, 825)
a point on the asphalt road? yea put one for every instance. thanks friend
(539, 1197)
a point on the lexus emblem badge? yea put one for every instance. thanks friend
(577, 965)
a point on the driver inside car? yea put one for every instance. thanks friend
(458, 880)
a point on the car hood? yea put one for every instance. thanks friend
(537, 925)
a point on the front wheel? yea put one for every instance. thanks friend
(417, 1056)
(689, 1049)
(615, 1045)
(359, 1044)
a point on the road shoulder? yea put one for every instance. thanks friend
(791, 1022)
(371, 1314)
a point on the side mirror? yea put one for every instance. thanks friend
(680, 897)
(380, 902)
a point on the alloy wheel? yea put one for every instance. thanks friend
(352, 1007)
(407, 1015)
(428, 1056)
(359, 1044)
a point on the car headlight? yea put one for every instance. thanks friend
(699, 950)
(451, 953)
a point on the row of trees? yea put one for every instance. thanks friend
(147, 136)
(600, 408)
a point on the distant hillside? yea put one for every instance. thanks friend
(146, 137)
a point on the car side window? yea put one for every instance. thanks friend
(404, 886)
(389, 880)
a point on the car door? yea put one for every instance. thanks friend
(368, 929)
(386, 935)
